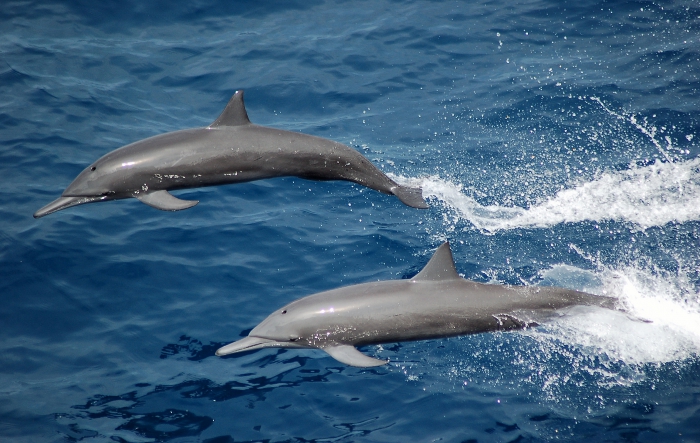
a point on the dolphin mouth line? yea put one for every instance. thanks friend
(251, 343)
(64, 202)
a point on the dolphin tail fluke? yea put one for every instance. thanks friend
(412, 197)
(350, 356)
(165, 201)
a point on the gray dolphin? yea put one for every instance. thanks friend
(435, 303)
(230, 150)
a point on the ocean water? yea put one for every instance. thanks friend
(557, 144)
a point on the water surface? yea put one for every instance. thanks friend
(556, 145)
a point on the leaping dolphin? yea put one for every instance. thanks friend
(230, 150)
(435, 303)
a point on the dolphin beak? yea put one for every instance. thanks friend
(248, 344)
(65, 202)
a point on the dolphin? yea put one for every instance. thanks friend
(230, 150)
(436, 303)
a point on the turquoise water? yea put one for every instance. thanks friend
(555, 144)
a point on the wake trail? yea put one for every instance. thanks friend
(646, 196)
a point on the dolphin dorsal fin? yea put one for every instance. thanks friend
(440, 267)
(234, 113)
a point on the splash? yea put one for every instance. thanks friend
(646, 196)
(660, 322)
(643, 128)
(589, 358)
(586, 359)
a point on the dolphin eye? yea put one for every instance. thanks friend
(284, 312)
(93, 168)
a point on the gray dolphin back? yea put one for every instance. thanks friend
(436, 303)
(230, 150)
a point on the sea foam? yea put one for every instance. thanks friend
(643, 197)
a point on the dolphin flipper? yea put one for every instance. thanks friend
(165, 201)
(412, 197)
(350, 356)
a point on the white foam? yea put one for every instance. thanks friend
(588, 349)
(661, 322)
(642, 196)
(592, 349)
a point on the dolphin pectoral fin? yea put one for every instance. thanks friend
(412, 197)
(350, 356)
(165, 201)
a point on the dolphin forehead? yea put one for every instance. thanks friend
(345, 300)
(176, 140)
(126, 168)
(161, 150)
(335, 313)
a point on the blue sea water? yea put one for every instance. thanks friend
(557, 144)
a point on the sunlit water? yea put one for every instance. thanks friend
(557, 145)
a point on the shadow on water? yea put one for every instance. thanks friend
(196, 349)
(305, 387)
(139, 412)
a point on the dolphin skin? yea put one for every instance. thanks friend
(230, 150)
(435, 303)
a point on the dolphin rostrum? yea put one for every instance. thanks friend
(436, 303)
(230, 150)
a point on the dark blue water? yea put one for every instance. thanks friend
(556, 145)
